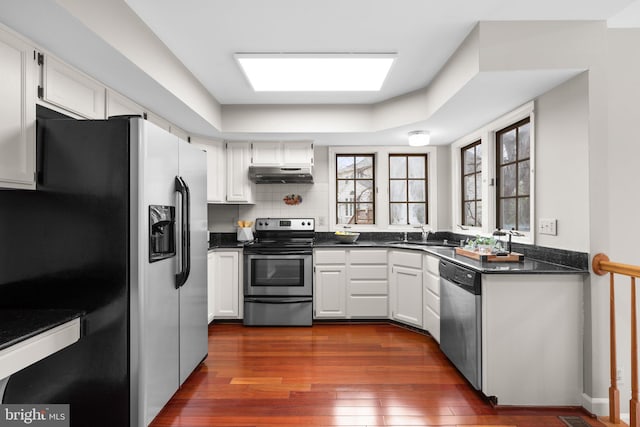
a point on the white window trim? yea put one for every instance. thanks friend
(381, 194)
(487, 136)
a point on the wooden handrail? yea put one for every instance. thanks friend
(601, 265)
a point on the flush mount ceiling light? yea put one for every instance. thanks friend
(315, 72)
(419, 138)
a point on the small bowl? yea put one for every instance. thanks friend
(347, 237)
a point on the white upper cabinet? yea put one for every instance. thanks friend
(71, 90)
(17, 113)
(118, 105)
(216, 168)
(276, 153)
(239, 187)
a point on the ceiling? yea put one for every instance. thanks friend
(204, 35)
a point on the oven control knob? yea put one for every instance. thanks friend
(266, 223)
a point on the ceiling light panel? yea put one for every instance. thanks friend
(316, 72)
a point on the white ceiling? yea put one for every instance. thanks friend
(204, 35)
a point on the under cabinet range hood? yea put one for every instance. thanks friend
(281, 174)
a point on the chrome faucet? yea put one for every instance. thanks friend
(425, 233)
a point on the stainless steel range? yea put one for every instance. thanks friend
(278, 273)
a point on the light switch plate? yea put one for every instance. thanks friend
(548, 226)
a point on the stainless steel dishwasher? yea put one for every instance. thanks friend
(460, 320)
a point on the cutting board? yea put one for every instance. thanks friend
(512, 257)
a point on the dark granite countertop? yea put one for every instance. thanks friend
(225, 245)
(528, 266)
(19, 325)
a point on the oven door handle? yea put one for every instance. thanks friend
(277, 253)
(276, 300)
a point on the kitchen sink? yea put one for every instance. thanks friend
(429, 243)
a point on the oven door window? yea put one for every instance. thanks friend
(277, 272)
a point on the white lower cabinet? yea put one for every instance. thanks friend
(350, 283)
(225, 285)
(431, 293)
(330, 291)
(532, 339)
(367, 286)
(406, 287)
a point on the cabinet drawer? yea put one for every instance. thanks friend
(368, 288)
(330, 257)
(407, 259)
(368, 256)
(432, 264)
(432, 301)
(364, 272)
(369, 306)
(432, 323)
(432, 283)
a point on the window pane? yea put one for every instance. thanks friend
(524, 136)
(478, 157)
(523, 178)
(345, 167)
(417, 191)
(398, 191)
(508, 181)
(397, 167)
(346, 190)
(364, 190)
(469, 213)
(416, 213)
(478, 186)
(523, 214)
(345, 213)
(469, 160)
(364, 167)
(398, 213)
(479, 213)
(416, 167)
(507, 213)
(364, 213)
(507, 147)
(469, 188)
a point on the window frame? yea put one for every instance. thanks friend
(355, 179)
(463, 201)
(487, 136)
(517, 161)
(381, 194)
(406, 180)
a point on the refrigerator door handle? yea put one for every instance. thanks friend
(185, 228)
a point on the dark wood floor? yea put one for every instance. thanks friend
(334, 375)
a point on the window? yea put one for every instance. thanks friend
(513, 176)
(408, 189)
(355, 186)
(471, 157)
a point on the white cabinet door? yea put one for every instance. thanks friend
(211, 268)
(266, 153)
(431, 293)
(239, 187)
(406, 295)
(330, 291)
(118, 105)
(226, 284)
(216, 168)
(17, 113)
(297, 152)
(72, 90)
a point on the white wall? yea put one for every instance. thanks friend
(562, 164)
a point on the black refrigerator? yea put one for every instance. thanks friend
(117, 229)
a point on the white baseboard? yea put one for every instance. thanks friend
(596, 405)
